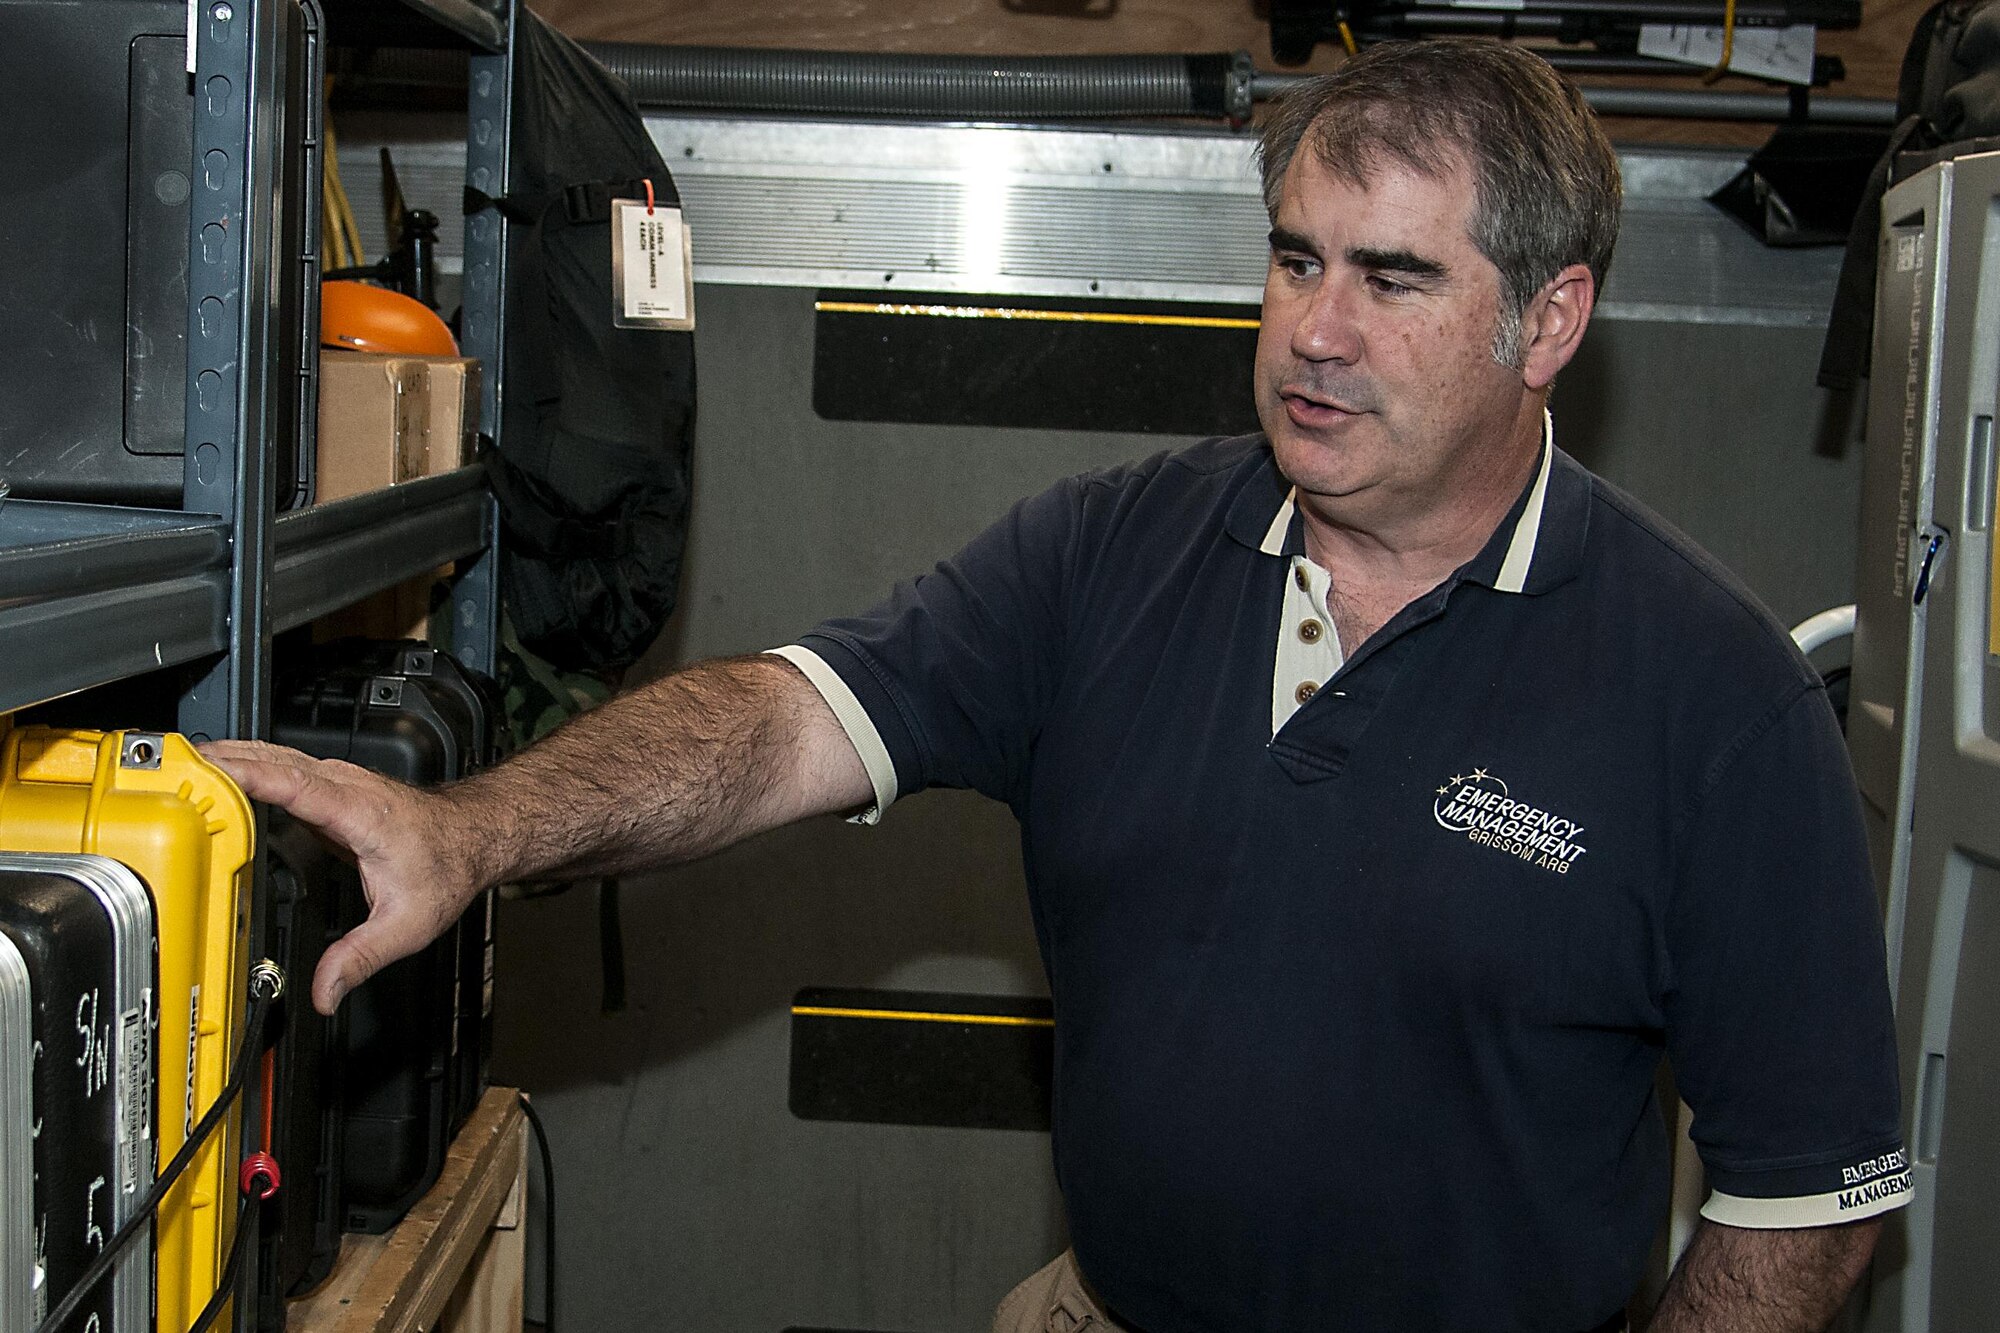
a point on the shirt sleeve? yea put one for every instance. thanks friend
(946, 682)
(1779, 1021)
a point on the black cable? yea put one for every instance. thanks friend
(548, 1218)
(225, 1286)
(611, 946)
(253, 1040)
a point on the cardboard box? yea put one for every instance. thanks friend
(451, 426)
(399, 612)
(373, 415)
(385, 419)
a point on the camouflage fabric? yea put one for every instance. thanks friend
(540, 697)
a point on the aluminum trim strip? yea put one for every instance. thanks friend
(1170, 215)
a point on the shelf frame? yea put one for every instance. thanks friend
(488, 29)
(332, 555)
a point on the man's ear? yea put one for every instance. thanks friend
(1552, 326)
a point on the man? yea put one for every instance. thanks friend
(1393, 794)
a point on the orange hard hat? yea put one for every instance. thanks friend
(364, 318)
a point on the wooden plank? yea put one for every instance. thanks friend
(402, 1282)
(492, 1296)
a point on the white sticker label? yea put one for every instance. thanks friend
(1906, 254)
(1785, 54)
(194, 1043)
(135, 1097)
(652, 267)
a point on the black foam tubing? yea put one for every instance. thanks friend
(712, 78)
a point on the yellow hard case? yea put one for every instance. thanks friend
(152, 802)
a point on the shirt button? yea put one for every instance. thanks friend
(1299, 577)
(1306, 690)
(1310, 630)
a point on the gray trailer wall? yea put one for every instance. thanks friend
(691, 1197)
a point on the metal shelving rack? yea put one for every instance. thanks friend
(92, 594)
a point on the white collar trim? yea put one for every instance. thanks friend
(1528, 529)
(1281, 526)
(1520, 549)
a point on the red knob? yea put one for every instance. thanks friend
(260, 1175)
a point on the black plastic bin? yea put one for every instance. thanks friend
(414, 1053)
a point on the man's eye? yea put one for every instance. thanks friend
(1297, 266)
(1388, 286)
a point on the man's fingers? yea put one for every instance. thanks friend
(357, 956)
(339, 972)
(320, 793)
(380, 822)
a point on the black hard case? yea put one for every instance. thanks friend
(418, 1033)
(96, 173)
(301, 1238)
(84, 926)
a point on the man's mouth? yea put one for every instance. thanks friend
(1313, 409)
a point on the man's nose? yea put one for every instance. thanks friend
(1328, 329)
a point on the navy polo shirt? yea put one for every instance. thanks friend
(1357, 1022)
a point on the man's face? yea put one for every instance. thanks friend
(1375, 374)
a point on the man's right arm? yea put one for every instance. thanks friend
(676, 769)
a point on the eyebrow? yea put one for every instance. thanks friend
(1406, 262)
(1395, 261)
(1291, 240)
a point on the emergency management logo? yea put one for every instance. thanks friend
(1884, 1177)
(1481, 807)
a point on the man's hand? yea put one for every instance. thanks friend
(418, 868)
(1736, 1280)
(675, 769)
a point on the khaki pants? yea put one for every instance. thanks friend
(1054, 1300)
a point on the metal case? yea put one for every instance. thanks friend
(150, 801)
(84, 925)
(17, 1131)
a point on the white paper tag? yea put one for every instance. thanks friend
(1772, 53)
(652, 267)
(135, 1099)
(194, 29)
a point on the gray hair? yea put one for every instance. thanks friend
(1545, 177)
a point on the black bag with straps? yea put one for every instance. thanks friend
(1947, 103)
(592, 468)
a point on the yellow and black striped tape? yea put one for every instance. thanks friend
(945, 311)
